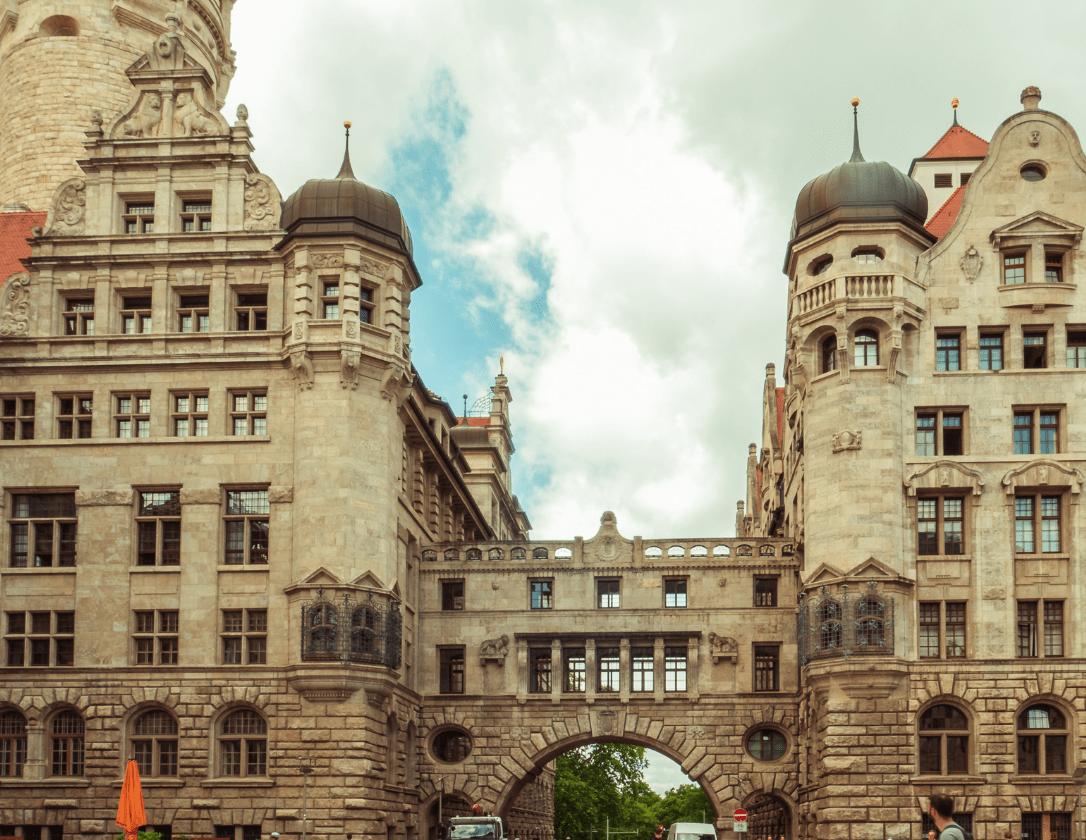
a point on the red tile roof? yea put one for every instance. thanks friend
(474, 421)
(944, 217)
(14, 231)
(958, 142)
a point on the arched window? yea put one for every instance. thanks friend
(829, 353)
(429, 555)
(322, 634)
(867, 348)
(365, 627)
(517, 554)
(154, 743)
(452, 554)
(653, 552)
(59, 26)
(243, 744)
(944, 741)
(495, 555)
(67, 744)
(1042, 740)
(475, 554)
(829, 626)
(12, 743)
(540, 553)
(699, 551)
(870, 624)
(563, 554)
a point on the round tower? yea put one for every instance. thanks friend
(62, 61)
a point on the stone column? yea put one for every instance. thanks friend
(557, 674)
(624, 670)
(590, 673)
(658, 669)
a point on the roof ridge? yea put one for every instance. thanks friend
(946, 134)
(937, 213)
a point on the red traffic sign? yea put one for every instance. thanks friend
(740, 815)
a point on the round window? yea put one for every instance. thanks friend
(451, 745)
(1033, 172)
(766, 744)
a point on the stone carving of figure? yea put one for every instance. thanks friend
(168, 53)
(495, 648)
(68, 215)
(187, 119)
(149, 115)
(722, 646)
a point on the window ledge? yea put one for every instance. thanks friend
(146, 782)
(37, 570)
(231, 781)
(98, 441)
(52, 781)
(947, 780)
(1056, 555)
(1051, 778)
(250, 567)
(943, 558)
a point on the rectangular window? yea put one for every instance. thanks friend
(1035, 350)
(955, 629)
(675, 592)
(366, 309)
(1053, 266)
(136, 315)
(249, 412)
(1036, 431)
(132, 415)
(40, 639)
(1037, 522)
(991, 351)
(607, 661)
(607, 594)
(1046, 826)
(942, 629)
(944, 179)
(1027, 628)
(766, 668)
(244, 637)
(929, 630)
(1076, 349)
(1014, 268)
(940, 525)
(43, 530)
(79, 316)
(139, 216)
(16, 418)
(539, 670)
(1053, 627)
(158, 527)
(74, 414)
(1050, 632)
(674, 669)
(246, 520)
(196, 216)
(452, 595)
(193, 313)
(189, 417)
(641, 668)
(541, 594)
(330, 299)
(765, 591)
(251, 311)
(155, 637)
(451, 665)
(940, 432)
(575, 667)
(948, 352)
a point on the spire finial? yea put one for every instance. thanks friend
(954, 105)
(345, 170)
(856, 156)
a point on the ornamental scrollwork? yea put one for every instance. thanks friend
(15, 306)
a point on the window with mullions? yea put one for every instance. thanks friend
(1053, 266)
(451, 667)
(243, 744)
(247, 519)
(607, 594)
(1035, 350)
(158, 524)
(155, 640)
(74, 417)
(249, 412)
(1037, 523)
(575, 669)
(244, 637)
(132, 415)
(1014, 269)
(193, 313)
(330, 299)
(12, 744)
(190, 414)
(641, 661)
(942, 629)
(79, 316)
(154, 744)
(366, 307)
(675, 592)
(139, 217)
(1036, 431)
(867, 348)
(948, 352)
(1042, 741)
(1051, 632)
(136, 315)
(940, 525)
(1050, 826)
(766, 744)
(674, 668)
(67, 744)
(991, 351)
(196, 216)
(40, 639)
(767, 666)
(939, 432)
(16, 418)
(765, 591)
(607, 663)
(43, 530)
(539, 670)
(452, 595)
(541, 594)
(251, 311)
(944, 742)
(1076, 349)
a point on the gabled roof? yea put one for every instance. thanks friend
(14, 231)
(944, 217)
(958, 142)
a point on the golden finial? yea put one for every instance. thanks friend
(954, 103)
(501, 363)
(347, 124)
(855, 101)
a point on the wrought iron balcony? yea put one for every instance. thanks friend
(837, 625)
(366, 632)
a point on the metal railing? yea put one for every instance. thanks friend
(839, 625)
(367, 632)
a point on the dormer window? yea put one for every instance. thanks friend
(1053, 267)
(139, 217)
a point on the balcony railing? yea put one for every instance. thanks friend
(839, 625)
(367, 632)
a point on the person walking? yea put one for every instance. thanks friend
(941, 811)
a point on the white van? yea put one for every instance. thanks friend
(691, 831)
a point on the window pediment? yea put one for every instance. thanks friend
(1042, 473)
(945, 475)
(1034, 227)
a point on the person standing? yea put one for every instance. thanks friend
(941, 810)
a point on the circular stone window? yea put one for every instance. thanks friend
(766, 744)
(451, 745)
(1033, 172)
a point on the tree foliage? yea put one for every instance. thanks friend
(604, 782)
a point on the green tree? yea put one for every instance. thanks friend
(599, 782)
(686, 803)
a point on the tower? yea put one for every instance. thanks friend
(59, 73)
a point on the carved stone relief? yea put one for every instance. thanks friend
(146, 119)
(494, 650)
(722, 647)
(189, 119)
(302, 368)
(1035, 138)
(396, 385)
(326, 260)
(262, 206)
(349, 361)
(168, 52)
(15, 306)
(971, 263)
(69, 209)
(374, 267)
(847, 440)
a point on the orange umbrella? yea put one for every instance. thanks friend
(130, 813)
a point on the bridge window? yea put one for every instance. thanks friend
(766, 744)
(767, 668)
(451, 746)
(765, 591)
(721, 551)
(674, 592)
(699, 551)
(575, 669)
(607, 594)
(539, 668)
(743, 551)
(653, 552)
(517, 554)
(641, 663)
(674, 669)
(475, 554)
(608, 669)
(562, 554)
(540, 553)
(541, 592)
(451, 664)
(495, 555)
(676, 551)
(452, 595)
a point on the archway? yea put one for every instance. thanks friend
(768, 817)
(441, 808)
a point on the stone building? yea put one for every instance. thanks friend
(925, 456)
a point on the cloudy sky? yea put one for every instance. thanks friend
(601, 191)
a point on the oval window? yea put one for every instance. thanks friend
(451, 746)
(1033, 172)
(766, 744)
(820, 266)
